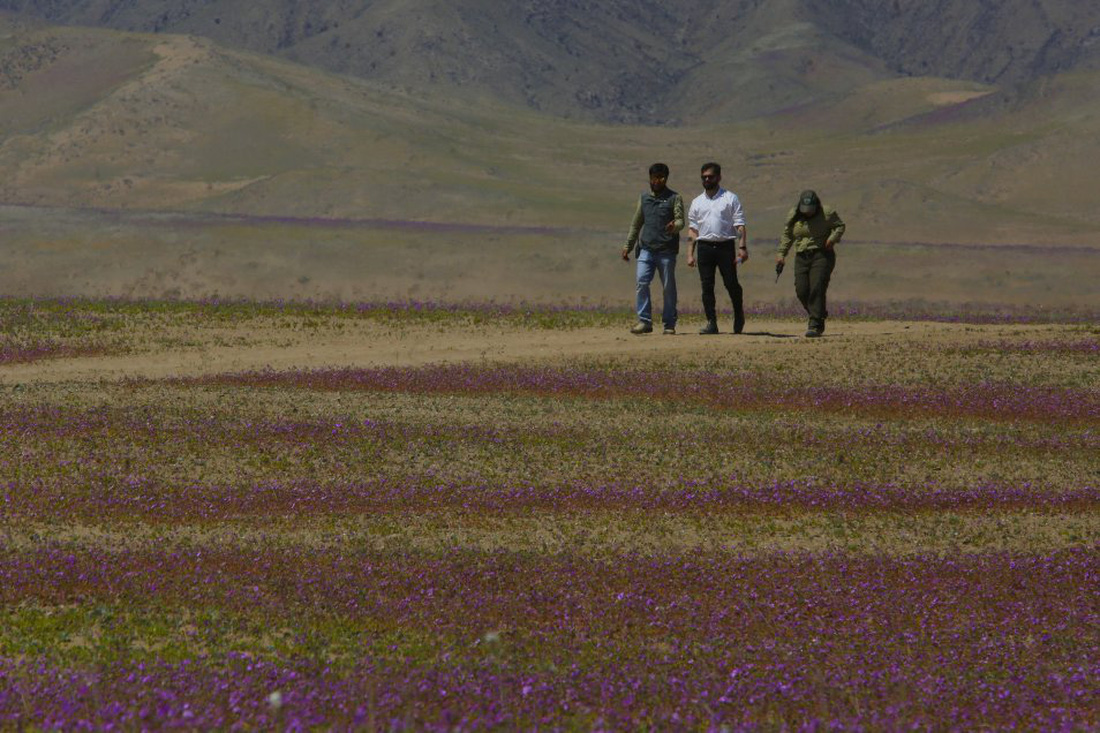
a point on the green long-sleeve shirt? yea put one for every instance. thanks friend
(809, 234)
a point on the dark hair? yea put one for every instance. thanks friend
(658, 169)
(712, 166)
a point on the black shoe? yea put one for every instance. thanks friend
(812, 333)
(709, 329)
(738, 324)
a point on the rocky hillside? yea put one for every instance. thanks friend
(108, 120)
(648, 61)
(1004, 42)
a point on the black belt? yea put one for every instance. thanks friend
(716, 242)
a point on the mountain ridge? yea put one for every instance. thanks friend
(631, 61)
(167, 165)
(106, 119)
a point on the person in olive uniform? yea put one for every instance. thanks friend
(814, 230)
(655, 239)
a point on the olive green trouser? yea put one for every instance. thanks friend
(812, 270)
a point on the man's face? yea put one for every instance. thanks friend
(710, 180)
(657, 182)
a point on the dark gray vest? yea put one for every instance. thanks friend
(656, 214)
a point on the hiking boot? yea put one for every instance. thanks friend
(709, 329)
(812, 333)
(669, 331)
(642, 327)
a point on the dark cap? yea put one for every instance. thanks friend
(808, 202)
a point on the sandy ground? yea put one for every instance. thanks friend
(102, 254)
(257, 346)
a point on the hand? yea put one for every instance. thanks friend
(743, 254)
(780, 260)
(691, 260)
(829, 244)
(670, 228)
(626, 254)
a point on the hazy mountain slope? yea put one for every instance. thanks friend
(607, 60)
(622, 60)
(631, 60)
(1008, 41)
(44, 80)
(179, 123)
(169, 166)
(94, 118)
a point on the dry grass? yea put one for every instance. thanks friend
(210, 504)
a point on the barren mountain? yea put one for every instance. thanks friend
(102, 118)
(173, 165)
(650, 61)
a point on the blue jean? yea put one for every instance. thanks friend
(664, 265)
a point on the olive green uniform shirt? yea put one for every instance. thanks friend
(809, 234)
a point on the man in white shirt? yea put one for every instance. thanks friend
(716, 224)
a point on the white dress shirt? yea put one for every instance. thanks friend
(716, 219)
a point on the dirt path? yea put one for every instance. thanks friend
(273, 346)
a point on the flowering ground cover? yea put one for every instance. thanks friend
(887, 528)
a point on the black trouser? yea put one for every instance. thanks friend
(812, 271)
(719, 255)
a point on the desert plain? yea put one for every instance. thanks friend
(320, 408)
(409, 516)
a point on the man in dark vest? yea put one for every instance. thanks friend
(655, 239)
